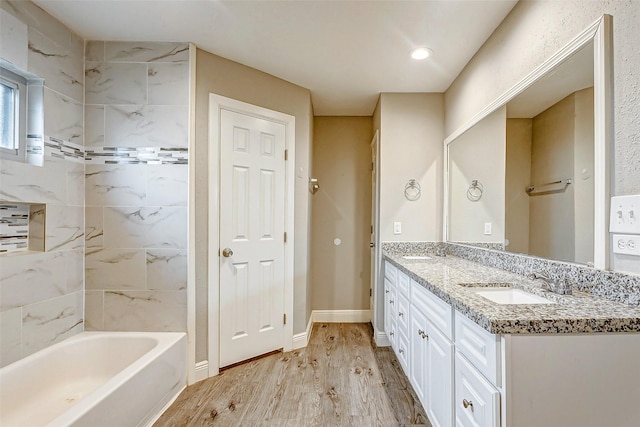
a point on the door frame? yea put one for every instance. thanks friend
(377, 311)
(216, 104)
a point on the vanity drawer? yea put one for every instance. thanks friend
(480, 347)
(403, 284)
(390, 272)
(437, 311)
(477, 402)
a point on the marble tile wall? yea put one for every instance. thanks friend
(136, 177)
(41, 293)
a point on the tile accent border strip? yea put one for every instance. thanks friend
(65, 150)
(59, 149)
(137, 155)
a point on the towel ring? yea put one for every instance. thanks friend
(475, 190)
(412, 190)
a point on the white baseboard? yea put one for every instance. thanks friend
(201, 372)
(341, 316)
(381, 339)
(301, 340)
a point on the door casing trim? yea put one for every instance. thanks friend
(216, 104)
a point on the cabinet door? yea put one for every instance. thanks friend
(402, 311)
(388, 313)
(402, 351)
(418, 354)
(477, 402)
(439, 363)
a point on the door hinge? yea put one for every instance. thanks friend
(285, 237)
(371, 165)
(286, 154)
(372, 229)
(284, 319)
(370, 292)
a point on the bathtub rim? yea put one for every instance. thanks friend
(164, 340)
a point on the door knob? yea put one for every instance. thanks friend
(467, 404)
(227, 252)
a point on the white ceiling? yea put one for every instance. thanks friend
(345, 52)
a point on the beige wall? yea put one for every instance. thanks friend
(340, 275)
(221, 76)
(583, 165)
(556, 144)
(518, 177)
(551, 225)
(531, 33)
(411, 147)
(478, 154)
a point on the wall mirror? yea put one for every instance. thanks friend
(530, 172)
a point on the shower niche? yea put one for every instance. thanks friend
(22, 227)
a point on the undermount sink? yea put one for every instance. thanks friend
(504, 295)
(416, 258)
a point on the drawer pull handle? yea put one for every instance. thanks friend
(391, 333)
(401, 351)
(400, 314)
(386, 291)
(467, 404)
(391, 301)
(422, 334)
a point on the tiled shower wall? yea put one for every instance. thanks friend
(41, 294)
(136, 120)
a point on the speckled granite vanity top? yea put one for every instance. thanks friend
(577, 313)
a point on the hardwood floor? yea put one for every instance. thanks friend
(339, 379)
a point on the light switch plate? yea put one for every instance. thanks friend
(487, 228)
(625, 215)
(397, 227)
(626, 244)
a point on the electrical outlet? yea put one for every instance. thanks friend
(626, 244)
(625, 212)
(397, 227)
(487, 228)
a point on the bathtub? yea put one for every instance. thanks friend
(95, 379)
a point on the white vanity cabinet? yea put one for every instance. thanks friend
(397, 314)
(466, 376)
(477, 375)
(390, 279)
(432, 354)
(421, 328)
(477, 402)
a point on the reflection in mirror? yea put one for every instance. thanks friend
(535, 159)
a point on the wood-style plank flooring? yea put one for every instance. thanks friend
(339, 379)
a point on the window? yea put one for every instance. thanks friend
(13, 115)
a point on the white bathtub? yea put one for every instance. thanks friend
(95, 379)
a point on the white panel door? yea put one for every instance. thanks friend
(252, 218)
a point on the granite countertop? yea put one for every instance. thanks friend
(578, 313)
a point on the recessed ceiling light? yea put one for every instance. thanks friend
(420, 53)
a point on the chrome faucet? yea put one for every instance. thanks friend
(563, 287)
